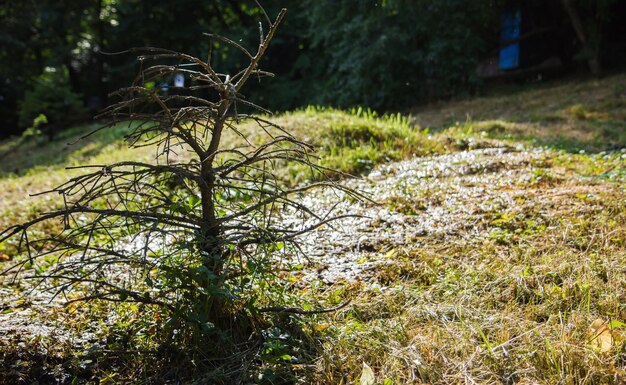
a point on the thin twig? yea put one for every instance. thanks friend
(295, 310)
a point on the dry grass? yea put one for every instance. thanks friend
(510, 299)
(588, 115)
(348, 141)
(518, 280)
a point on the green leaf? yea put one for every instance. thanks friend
(193, 200)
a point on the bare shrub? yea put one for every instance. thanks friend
(195, 232)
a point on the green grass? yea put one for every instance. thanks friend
(355, 141)
(350, 142)
(526, 288)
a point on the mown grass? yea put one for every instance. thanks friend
(528, 289)
(576, 115)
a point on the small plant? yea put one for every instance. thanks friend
(51, 105)
(198, 238)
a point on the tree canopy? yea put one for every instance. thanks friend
(384, 54)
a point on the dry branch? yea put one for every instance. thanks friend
(171, 233)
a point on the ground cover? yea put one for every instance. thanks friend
(570, 115)
(493, 252)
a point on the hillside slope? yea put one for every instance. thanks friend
(588, 114)
(491, 251)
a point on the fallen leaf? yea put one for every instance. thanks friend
(320, 327)
(391, 253)
(603, 336)
(367, 376)
(4, 257)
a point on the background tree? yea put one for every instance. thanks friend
(52, 99)
(39, 38)
(387, 54)
(394, 53)
(589, 18)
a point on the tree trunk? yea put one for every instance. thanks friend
(99, 28)
(212, 232)
(211, 238)
(588, 48)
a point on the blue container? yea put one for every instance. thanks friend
(511, 30)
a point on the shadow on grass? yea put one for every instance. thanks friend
(125, 354)
(590, 136)
(34, 364)
(570, 115)
(20, 156)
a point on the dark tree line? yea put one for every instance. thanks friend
(376, 53)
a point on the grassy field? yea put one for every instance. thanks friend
(574, 115)
(495, 254)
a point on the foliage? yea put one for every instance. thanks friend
(51, 105)
(38, 35)
(379, 54)
(392, 53)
